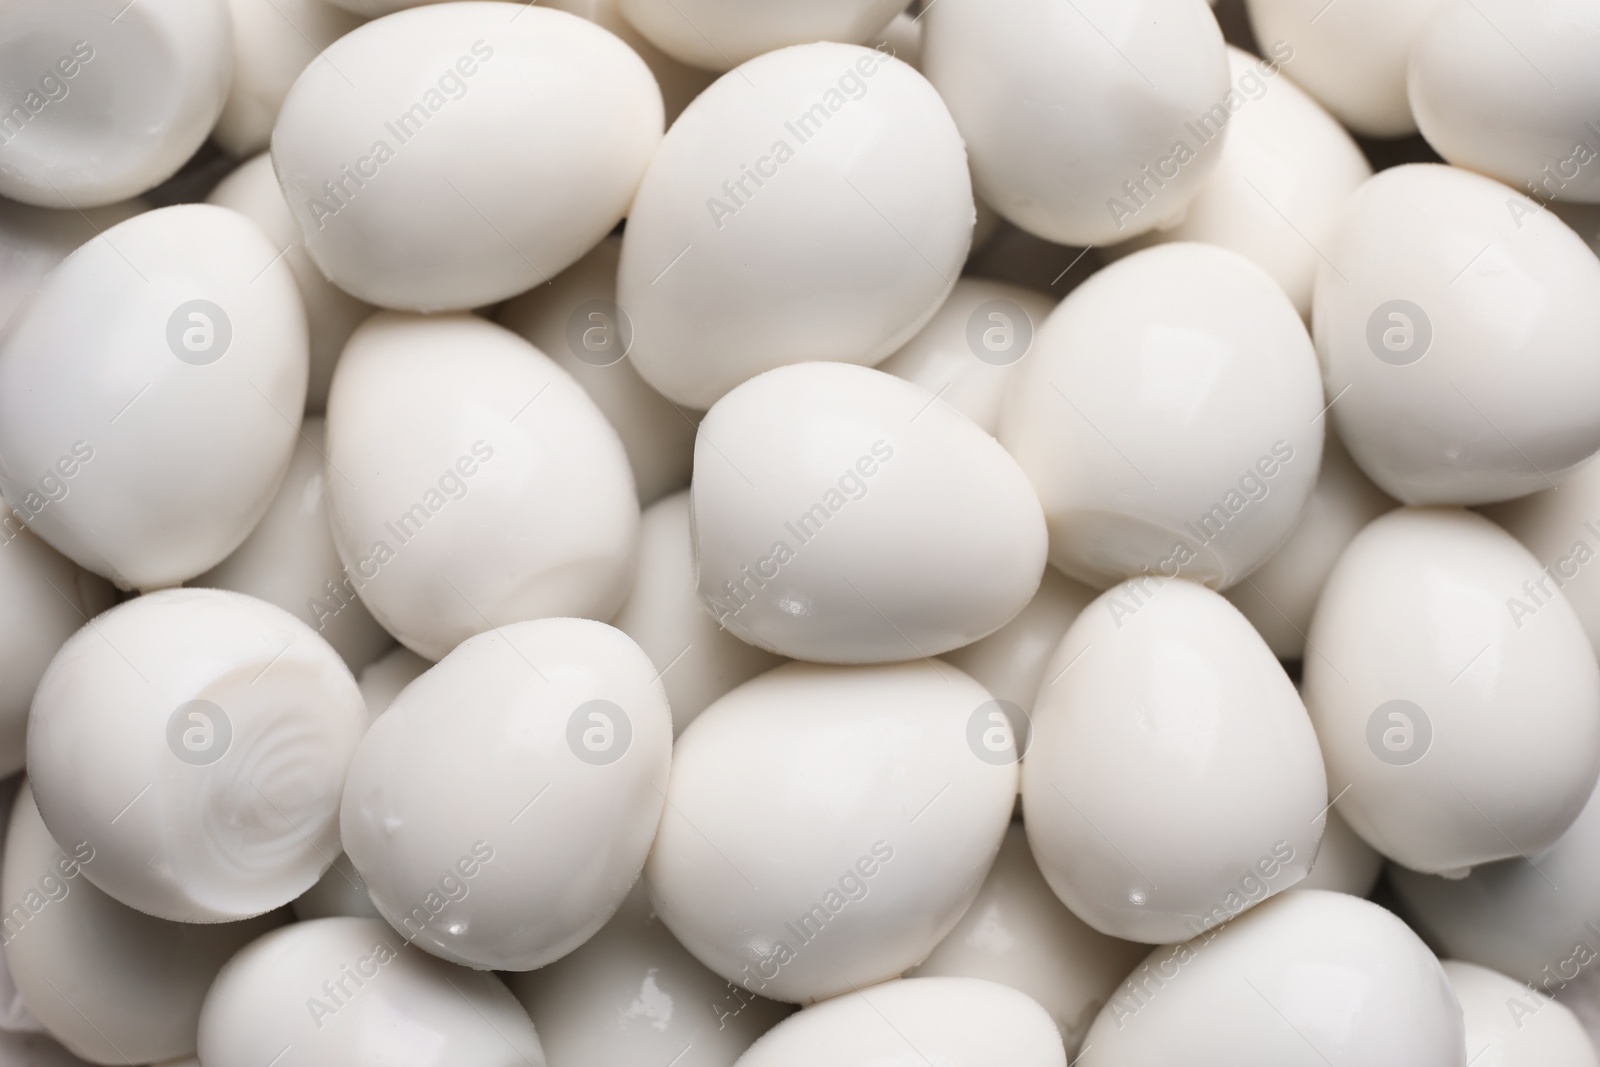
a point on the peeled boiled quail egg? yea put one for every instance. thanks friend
(1507, 1026)
(720, 34)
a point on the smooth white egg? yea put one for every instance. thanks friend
(340, 891)
(1275, 194)
(1460, 725)
(721, 34)
(575, 321)
(416, 108)
(815, 204)
(1511, 89)
(382, 679)
(679, 82)
(1169, 419)
(472, 482)
(1308, 978)
(1018, 934)
(632, 994)
(826, 827)
(289, 560)
(105, 99)
(347, 991)
(1459, 316)
(145, 440)
(1513, 1027)
(503, 805)
(1088, 124)
(197, 740)
(1173, 779)
(113, 984)
(699, 661)
(331, 313)
(33, 240)
(1344, 863)
(273, 41)
(1010, 662)
(1350, 55)
(843, 515)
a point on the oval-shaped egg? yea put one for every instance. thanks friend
(1018, 934)
(114, 985)
(632, 994)
(414, 109)
(1010, 662)
(1344, 863)
(33, 240)
(1279, 596)
(1511, 89)
(331, 313)
(273, 41)
(1309, 978)
(472, 482)
(1169, 419)
(1275, 194)
(679, 82)
(105, 101)
(340, 891)
(145, 440)
(959, 1022)
(826, 827)
(1460, 723)
(699, 661)
(1460, 317)
(967, 351)
(575, 321)
(1508, 1026)
(289, 560)
(1351, 55)
(843, 515)
(351, 991)
(382, 679)
(721, 34)
(1173, 778)
(508, 856)
(197, 740)
(813, 205)
(1028, 82)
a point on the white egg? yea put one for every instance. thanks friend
(273, 41)
(331, 313)
(1285, 172)
(1511, 89)
(1344, 863)
(416, 109)
(721, 34)
(113, 984)
(1089, 124)
(1460, 724)
(699, 661)
(1561, 527)
(1010, 662)
(843, 515)
(472, 482)
(348, 991)
(197, 740)
(289, 560)
(502, 807)
(967, 351)
(340, 891)
(1018, 934)
(954, 1022)
(632, 995)
(375, 8)
(1460, 317)
(33, 240)
(1350, 55)
(575, 321)
(146, 439)
(1509, 1027)
(382, 679)
(1173, 779)
(826, 827)
(1169, 419)
(44, 599)
(1279, 596)
(1309, 979)
(766, 233)
(106, 99)
(679, 82)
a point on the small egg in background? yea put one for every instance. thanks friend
(383, 678)
(721, 34)
(1344, 863)
(340, 891)
(33, 240)
(679, 82)
(1508, 1026)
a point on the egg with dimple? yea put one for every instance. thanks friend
(1173, 779)
(1455, 320)
(145, 440)
(826, 827)
(1458, 709)
(1507, 1026)
(512, 854)
(842, 515)
(813, 204)
(1010, 662)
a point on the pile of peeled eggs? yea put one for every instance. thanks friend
(800, 533)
